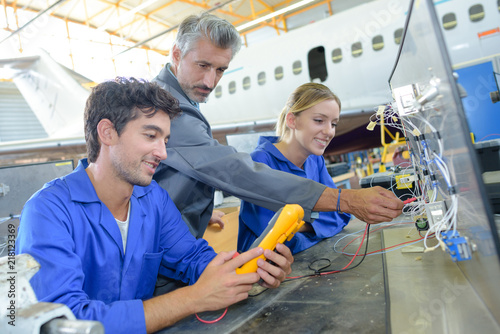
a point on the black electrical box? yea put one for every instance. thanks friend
(401, 183)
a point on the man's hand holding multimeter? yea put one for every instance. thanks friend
(282, 227)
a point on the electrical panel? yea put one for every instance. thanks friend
(449, 204)
(444, 178)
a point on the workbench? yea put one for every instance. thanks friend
(398, 291)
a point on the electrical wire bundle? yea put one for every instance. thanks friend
(433, 177)
(323, 269)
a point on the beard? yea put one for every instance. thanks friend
(194, 94)
(131, 173)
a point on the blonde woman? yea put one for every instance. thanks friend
(304, 129)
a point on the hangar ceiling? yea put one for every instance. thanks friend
(151, 24)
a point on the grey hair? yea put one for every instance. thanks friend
(220, 32)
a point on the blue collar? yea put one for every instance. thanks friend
(82, 190)
(266, 143)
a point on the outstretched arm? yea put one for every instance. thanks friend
(371, 205)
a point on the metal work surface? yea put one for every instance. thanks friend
(403, 291)
(351, 301)
(429, 294)
(451, 187)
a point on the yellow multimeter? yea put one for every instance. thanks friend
(282, 227)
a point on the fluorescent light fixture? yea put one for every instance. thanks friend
(273, 14)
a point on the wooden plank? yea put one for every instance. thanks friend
(223, 240)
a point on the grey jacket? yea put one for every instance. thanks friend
(196, 164)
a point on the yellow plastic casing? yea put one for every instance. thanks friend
(285, 227)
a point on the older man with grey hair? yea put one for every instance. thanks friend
(197, 164)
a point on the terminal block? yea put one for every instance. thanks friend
(405, 98)
(404, 181)
(456, 246)
(435, 214)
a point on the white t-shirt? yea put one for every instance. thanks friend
(123, 226)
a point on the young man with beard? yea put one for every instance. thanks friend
(103, 232)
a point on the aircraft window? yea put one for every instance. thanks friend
(476, 13)
(337, 55)
(356, 49)
(378, 42)
(317, 64)
(397, 35)
(218, 91)
(297, 66)
(449, 21)
(278, 73)
(261, 78)
(232, 87)
(246, 83)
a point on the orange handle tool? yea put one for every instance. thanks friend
(282, 227)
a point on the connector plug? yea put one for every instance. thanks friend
(456, 246)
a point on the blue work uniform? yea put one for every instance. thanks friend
(253, 219)
(78, 244)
